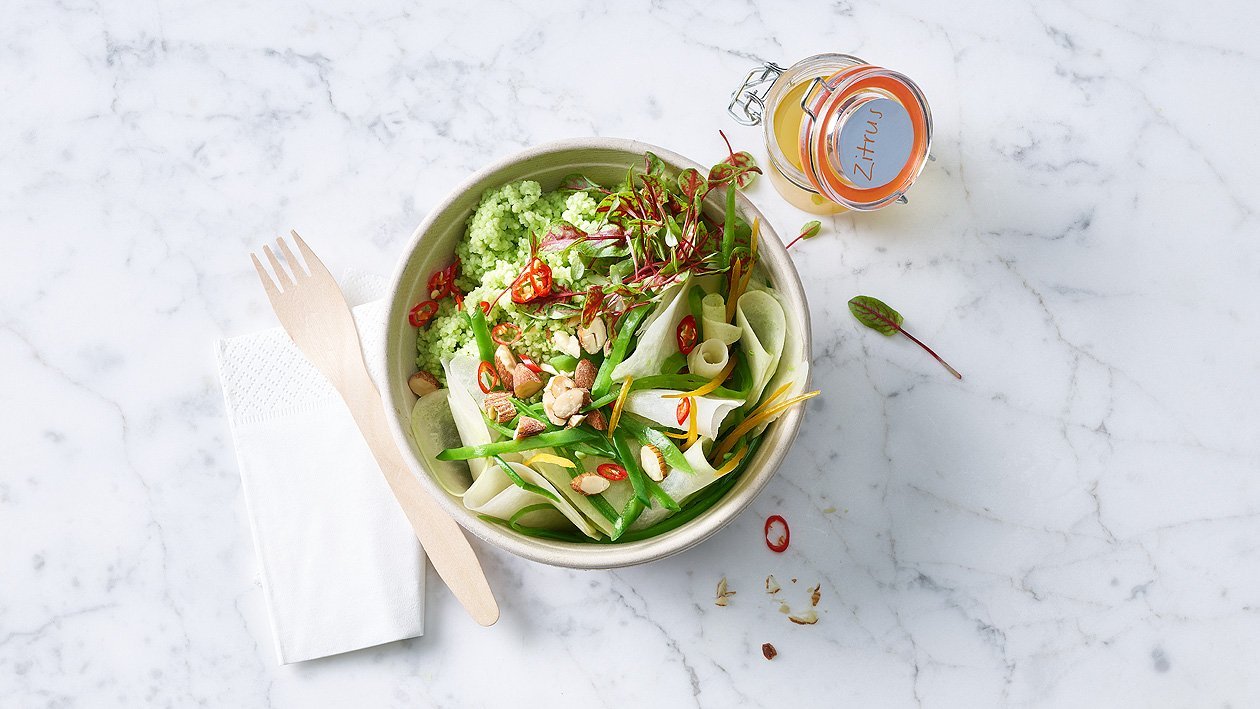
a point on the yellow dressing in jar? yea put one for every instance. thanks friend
(841, 134)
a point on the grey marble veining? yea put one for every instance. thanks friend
(1074, 524)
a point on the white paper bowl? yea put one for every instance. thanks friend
(431, 247)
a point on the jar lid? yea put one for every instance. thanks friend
(865, 136)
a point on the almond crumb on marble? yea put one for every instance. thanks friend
(723, 593)
(768, 651)
(809, 617)
(772, 586)
(815, 594)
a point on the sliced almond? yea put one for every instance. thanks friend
(527, 427)
(589, 484)
(567, 343)
(592, 337)
(772, 586)
(498, 406)
(584, 374)
(422, 383)
(505, 364)
(570, 403)
(597, 420)
(525, 382)
(575, 421)
(653, 462)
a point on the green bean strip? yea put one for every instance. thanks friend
(728, 228)
(694, 298)
(557, 535)
(629, 323)
(627, 459)
(673, 363)
(551, 439)
(521, 482)
(563, 363)
(650, 436)
(681, 383)
(629, 514)
(597, 501)
(658, 493)
(481, 331)
(696, 505)
(678, 382)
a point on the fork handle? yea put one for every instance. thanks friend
(443, 541)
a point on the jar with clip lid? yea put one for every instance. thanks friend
(841, 134)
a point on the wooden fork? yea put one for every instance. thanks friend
(314, 313)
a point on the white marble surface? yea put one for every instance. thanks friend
(1075, 524)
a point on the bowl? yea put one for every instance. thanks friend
(431, 247)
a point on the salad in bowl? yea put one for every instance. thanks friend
(599, 362)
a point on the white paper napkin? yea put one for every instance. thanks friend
(341, 568)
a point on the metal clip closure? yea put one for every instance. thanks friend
(748, 102)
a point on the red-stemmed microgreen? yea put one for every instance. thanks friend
(808, 231)
(880, 317)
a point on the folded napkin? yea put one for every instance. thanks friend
(341, 568)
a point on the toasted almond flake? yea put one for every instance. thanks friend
(723, 593)
(653, 462)
(809, 617)
(570, 402)
(596, 420)
(772, 586)
(422, 383)
(584, 374)
(524, 382)
(589, 484)
(592, 337)
(815, 594)
(526, 427)
(498, 406)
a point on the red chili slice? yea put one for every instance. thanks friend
(779, 542)
(687, 334)
(487, 378)
(506, 333)
(422, 313)
(535, 282)
(594, 300)
(529, 363)
(683, 411)
(442, 283)
(485, 307)
(612, 471)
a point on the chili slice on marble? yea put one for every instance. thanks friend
(779, 542)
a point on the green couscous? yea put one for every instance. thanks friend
(494, 252)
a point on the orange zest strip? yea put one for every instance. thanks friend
(551, 459)
(769, 400)
(755, 420)
(733, 463)
(676, 436)
(712, 384)
(621, 402)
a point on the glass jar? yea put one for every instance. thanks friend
(842, 134)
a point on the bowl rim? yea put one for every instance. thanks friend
(597, 556)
